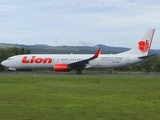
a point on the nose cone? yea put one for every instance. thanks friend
(3, 63)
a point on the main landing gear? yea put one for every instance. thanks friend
(78, 71)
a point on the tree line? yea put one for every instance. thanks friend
(5, 53)
(153, 65)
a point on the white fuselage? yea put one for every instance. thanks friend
(47, 61)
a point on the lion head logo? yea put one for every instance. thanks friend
(143, 46)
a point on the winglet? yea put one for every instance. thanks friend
(97, 53)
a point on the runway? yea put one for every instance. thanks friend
(87, 75)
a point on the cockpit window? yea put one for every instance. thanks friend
(10, 59)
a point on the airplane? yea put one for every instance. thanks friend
(67, 62)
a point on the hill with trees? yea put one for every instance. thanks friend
(46, 49)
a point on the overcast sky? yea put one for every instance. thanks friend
(118, 23)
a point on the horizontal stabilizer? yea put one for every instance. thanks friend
(147, 56)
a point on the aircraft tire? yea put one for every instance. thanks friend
(78, 71)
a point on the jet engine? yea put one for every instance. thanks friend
(61, 67)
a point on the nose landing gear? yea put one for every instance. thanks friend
(15, 72)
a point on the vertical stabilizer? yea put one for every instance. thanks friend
(142, 47)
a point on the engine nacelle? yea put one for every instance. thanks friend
(61, 67)
(12, 69)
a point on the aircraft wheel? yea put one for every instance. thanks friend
(78, 71)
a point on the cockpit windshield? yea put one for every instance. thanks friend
(10, 58)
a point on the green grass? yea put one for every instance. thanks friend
(79, 98)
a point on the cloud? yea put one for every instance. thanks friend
(110, 22)
(82, 43)
(7, 7)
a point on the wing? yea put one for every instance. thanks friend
(83, 63)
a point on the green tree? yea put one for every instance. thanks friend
(13, 51)
(3, 56)
(22, 51)
(27, 51)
